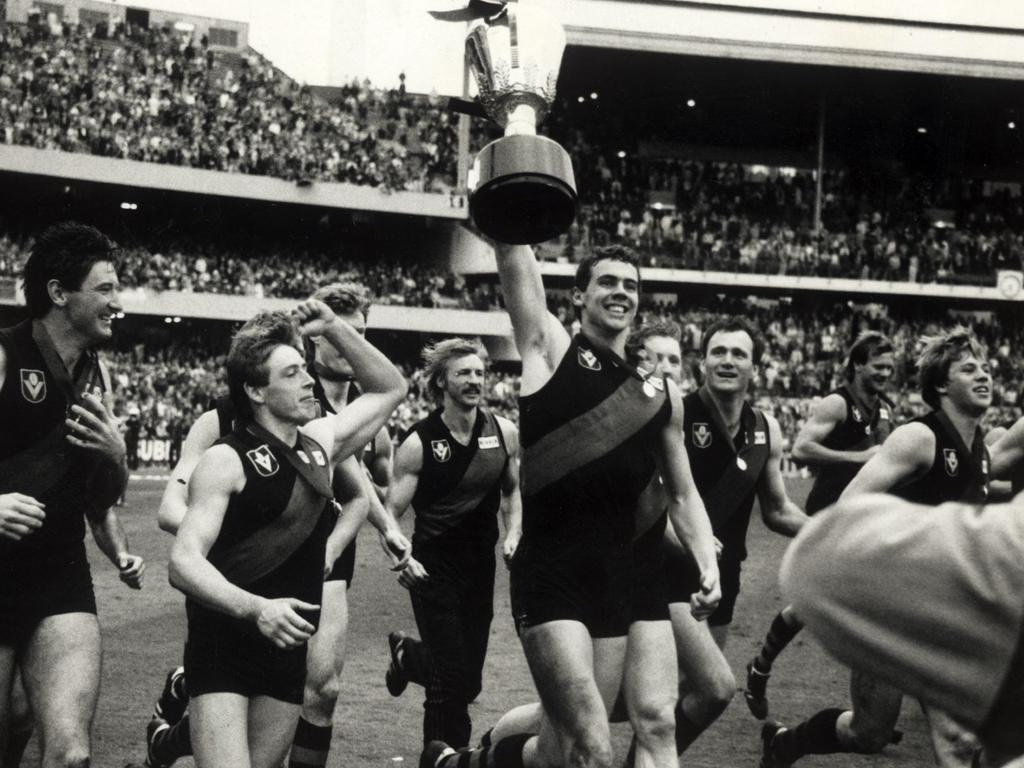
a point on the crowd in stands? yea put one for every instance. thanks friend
(163, 390)
(158, 95)
(734, 217)
(274, 270)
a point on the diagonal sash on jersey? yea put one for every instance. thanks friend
(469, 491)
(589, 436)
(871, 420)
(89, 370)
(978, 453)
(740, 476)
(270, 546)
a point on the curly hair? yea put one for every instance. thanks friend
(667, 328)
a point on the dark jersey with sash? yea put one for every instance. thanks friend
(726, 470)
(35, 457)
(273, 537)
(957, 473)
(864, 427)
(589, 439)
(459, 489)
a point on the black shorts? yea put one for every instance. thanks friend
(650, 597)
(29, 595)
(345, 566)
(578, 583)
(682, 578)
(225, 655)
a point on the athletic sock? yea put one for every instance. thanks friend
(506, 753)
(174, 743)
(816, 736)
(779, 636)
(310, 745)
(687, 731)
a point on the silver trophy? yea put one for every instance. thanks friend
(525, 190)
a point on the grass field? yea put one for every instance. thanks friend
(143, 634)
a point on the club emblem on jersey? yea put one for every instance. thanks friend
(442, 451)
(588, 359)
(263, 460)
(952, 462)
(33, 385)
(701, 435)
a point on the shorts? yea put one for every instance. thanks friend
(586, 584)
(650, 596)
(29, 595)
(225, 655)
(682, 579)
(345, 566)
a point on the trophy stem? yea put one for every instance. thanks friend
(522, 121)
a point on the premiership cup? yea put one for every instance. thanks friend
(525, 190)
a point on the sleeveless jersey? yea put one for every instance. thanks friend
(864, 426)
(726, 470)
(589, 437)
(35, 457)
(274, 534)
(459, 489)
(957, 473)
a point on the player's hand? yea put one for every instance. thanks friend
(413, 574)
(131, 569)
(396, 546)
(703, 603)
(509, 547)
(314, 317)
(279, 622)
(93, 428)
(20, 515)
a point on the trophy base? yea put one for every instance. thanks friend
(526, 190)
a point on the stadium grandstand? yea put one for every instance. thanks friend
(818, 189)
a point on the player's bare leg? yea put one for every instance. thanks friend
(707, 684)
(61, 671)
(649, 685)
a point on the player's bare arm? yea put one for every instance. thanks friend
(205, 431)
(685, 509)
(827, 414)
(351, 492)
(778, 511)
(113, 542)
(381, 383)
(691, 497)
(218, 475)
(1008, 452)
(511, 496)
(405, 479)
(540, 338)
(380, 467)
(904, 456)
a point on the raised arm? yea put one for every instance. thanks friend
(540, 338)
(686, 509)
(778, 511)
(381, 383)
(827, 414)
(205, 431)
(218, 475)
(904, 456)
(1008, 452)
(511, 496)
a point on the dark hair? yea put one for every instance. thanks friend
(867, 345)
(635, 342)
(344, 298)
(728, 324)
(585, 268)
(437, 356)
(250, 348)
(66, 253)
(938, 354)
